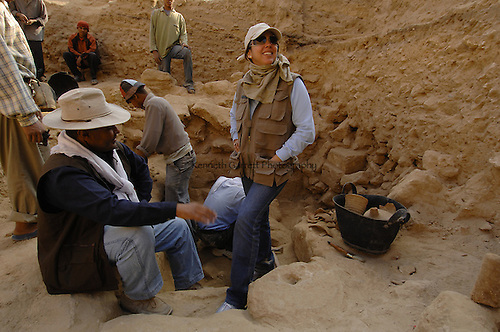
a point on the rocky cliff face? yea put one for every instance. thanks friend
(405, 94)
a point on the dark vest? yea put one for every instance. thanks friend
(70, 247)
(261, 136)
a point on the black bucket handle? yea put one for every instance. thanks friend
(353, 188)
(401, 217)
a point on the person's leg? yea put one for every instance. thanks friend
(251, 224)
(132, 250)
(184, 53)
(177, 178)
(21, 162)
(70, 60)
(218, 239)
(37, 52)
(174, 238)
(165, 62)
(93, 63)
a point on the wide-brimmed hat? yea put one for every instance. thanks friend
(254, 32)
(128, 87)
(85, 108)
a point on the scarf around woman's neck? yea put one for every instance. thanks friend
(124, 189)
(260, 82)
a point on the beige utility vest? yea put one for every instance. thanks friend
(262, 135)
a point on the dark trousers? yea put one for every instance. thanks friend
(92, 61)
(37, 52)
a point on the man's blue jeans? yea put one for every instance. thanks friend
(133, 249)
(251, 239)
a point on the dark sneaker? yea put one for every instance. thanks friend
(94, 81)
(152, 306)
(191, 90)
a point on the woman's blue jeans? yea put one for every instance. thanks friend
(133, 249)
(251, 239)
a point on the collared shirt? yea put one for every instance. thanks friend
(33, 10)
(16, 63)
(302, 119)
(163, 130)
(72, 189)
(225, 198)
(166, 30)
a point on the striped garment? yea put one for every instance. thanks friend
(16, 63)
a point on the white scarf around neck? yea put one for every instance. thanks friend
(124, 189)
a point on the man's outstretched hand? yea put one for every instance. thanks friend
(196, 211)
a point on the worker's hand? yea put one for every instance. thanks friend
(275, 158)
(21, 17)
(156, 56)
(79, 61)
(30, 22)
(35, 132)
(236, 144)
(195, 211)
(186, 45)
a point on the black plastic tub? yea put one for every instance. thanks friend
(367, 234)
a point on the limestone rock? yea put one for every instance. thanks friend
(441, 164)
(331, 175)
(302, 242)
(347, 160)
(487, 287)
(180, 105)
(277, 297)
(451, 311)
(157, 81)
(217, 116)
(417, 187)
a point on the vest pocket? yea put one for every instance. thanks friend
(77, 268)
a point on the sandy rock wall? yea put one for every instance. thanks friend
(405, 93)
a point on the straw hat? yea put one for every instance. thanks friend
(85, 108)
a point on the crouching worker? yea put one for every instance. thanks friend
(93, 194)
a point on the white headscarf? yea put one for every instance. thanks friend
(124, 189)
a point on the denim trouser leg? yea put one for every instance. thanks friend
(179, 52)
(252, 240)
(175, 239)
(177, 178)
(132, 249)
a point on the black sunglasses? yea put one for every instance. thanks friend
(261, 40)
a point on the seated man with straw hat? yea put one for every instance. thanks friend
(93, 194)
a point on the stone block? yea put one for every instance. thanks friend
(487, 287)
(347, 160)
(441, 164)
(452, 311)
(216, 115)
(331, 175)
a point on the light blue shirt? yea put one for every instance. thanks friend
(225, 198)
(302, 119)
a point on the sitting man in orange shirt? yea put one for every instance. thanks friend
(82, 53)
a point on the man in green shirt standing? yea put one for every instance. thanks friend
(168, 39)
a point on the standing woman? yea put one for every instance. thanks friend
(271, 123)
